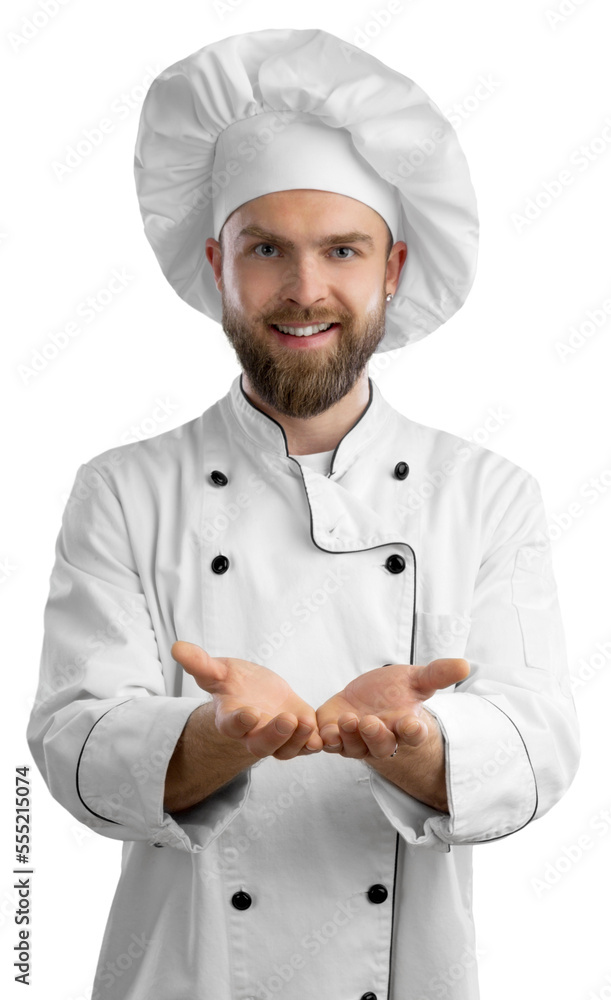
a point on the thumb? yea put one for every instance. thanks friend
(207, 670)
(440, 673)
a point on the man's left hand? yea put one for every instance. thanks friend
(390, 699)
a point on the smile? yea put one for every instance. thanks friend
(303, 331)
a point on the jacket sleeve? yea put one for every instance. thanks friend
(510, 728)
(103, 727)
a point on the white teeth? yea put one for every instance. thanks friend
(303, 331)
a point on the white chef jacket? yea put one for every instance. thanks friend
(313, 877)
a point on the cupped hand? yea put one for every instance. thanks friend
(253, 704)
(391, 700)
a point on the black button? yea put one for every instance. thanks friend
(220, 564)
(369, 996)
(377, 893)
(401, 470)
(241, 900)
(219, 478)
(395, 563)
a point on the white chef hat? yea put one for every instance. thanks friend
(285, 108)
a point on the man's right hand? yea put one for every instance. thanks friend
(251, 702)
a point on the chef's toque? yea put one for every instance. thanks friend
(285, 108)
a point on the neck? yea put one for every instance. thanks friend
(324, 431)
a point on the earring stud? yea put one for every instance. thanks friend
(389, 297)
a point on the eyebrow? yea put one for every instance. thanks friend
(354, 236)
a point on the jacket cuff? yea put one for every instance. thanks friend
(121, 770)
(490, 782)
(415, 821)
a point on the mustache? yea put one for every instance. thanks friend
(303, 319)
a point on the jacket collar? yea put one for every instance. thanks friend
(267, 434)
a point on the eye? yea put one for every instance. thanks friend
(344, 248)
(268, 246)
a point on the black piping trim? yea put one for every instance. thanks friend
(286, 444)
(392, 922)
(511, 832)
(354, 424)
(78, 790)
(397, 841)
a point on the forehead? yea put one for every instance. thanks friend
(306, 215)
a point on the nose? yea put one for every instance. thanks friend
(305, 283)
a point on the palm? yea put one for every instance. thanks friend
(383, 692)
(394, 694)
(236, 684)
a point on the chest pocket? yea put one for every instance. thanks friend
(439, 635)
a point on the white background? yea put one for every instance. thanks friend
(542, 916)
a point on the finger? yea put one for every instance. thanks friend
(238, 722)
(354, 746)
(440, 673)
(208, 671)
(267, 739)
(298, 743)
(331, 739)
(378, 738)
(412, 731)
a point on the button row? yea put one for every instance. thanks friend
(401, 471)
(377, 893)
(395, 564)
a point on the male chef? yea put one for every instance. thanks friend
(302, 652)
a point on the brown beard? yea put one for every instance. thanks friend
(304, 383)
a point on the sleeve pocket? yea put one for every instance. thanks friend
(533, 594)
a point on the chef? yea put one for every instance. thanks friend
(302, 553)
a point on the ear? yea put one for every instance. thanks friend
(394, 265)
(214, 255)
